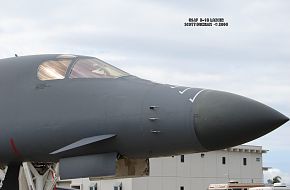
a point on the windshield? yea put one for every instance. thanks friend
(53, 69)
(95, 68)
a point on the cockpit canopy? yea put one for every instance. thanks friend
(85, 67)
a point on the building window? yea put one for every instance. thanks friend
(202, 155)
(258, 159)
(245, 161)
(117, 187)
(181, 188)
(224, 160)
(76, 186)
(182, 158)
(94, 187)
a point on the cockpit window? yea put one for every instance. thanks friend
(53, 69)
(95, 68)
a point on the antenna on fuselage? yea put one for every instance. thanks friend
(16, 55)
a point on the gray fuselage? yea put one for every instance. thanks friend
(147, 119)
(42, 116)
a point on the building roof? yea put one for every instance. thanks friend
(247, 148)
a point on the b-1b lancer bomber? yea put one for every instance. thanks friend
(77, 116)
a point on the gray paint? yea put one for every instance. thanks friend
(225, 119)
(148, 119)
(89, 165)
(83, 142)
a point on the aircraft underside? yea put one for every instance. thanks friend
(44, 176)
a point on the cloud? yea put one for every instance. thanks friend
(147, 38)
(271, 173)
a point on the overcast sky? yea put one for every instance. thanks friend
(250, 57)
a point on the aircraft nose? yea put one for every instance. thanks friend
(223, 119)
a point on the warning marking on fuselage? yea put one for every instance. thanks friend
(181, 92)
(14, 148)
(192, 99)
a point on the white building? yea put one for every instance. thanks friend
(189, 172)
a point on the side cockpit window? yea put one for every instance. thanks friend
(83, 68)
(95, 68)
(53, 69)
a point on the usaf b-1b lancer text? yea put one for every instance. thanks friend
(77, 116)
